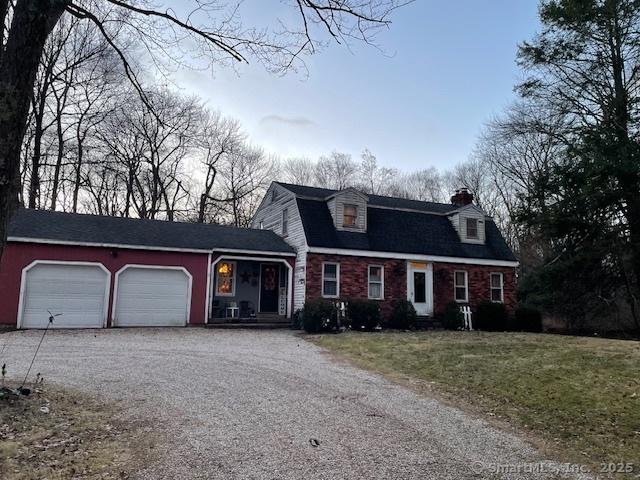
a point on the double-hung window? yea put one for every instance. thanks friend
(461, 285)
(285, 221)
(349, 215)
(226, 279)
(497, 287)
(472, 228)
(376, 282)
(330, 280)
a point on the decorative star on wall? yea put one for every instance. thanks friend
(245, 277)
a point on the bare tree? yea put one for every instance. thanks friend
(219, 138)
(208, 31)
(425, 185)
(149, 150)
(375, 179)
(244, 178)
(337, 171)
(300, 171)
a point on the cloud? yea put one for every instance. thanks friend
(301, 122)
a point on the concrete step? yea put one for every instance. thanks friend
(261, 325)
(428, 323)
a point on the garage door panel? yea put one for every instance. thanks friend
(152, 297)
(75, 291)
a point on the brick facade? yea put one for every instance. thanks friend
(478, 281)
(354, 281)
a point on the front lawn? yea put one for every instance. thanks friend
(579, 396)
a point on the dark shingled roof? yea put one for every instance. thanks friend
(376, 200)
(72, 227)
(399, 231)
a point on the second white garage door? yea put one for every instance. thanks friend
(152, 297)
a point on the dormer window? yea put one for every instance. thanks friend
(349, 216)
(472, 228)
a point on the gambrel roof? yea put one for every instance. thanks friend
(396, 225)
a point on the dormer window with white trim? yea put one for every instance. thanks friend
(472, 228)
(350, 215)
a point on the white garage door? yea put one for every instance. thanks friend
(152, 297)
(78, 292)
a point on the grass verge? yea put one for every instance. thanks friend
(74, 437)
(579, 396)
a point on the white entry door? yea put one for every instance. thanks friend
(77, 292)
(152, 297)
(420, 287)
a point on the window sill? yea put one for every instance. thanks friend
(218, 294)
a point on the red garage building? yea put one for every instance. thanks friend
(101, 271)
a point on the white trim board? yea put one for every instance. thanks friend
(272, 260)
(26, 269)
(143, 247)
(411, 256)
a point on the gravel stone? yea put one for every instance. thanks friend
(243, 404)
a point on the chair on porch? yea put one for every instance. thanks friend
(246, 309)
(231, 310)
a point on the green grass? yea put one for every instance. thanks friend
(579, 396)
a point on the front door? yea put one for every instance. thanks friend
(269, 283)
(419, 287)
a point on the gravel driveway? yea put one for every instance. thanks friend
(245, 404)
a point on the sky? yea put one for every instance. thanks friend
(446, 68)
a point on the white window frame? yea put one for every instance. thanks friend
(337, 280)
(233, 280)
(477, 235)
(492, 288)
(381, 282)
(456, 286)
(285, 221)
(355, 217)
(261, 225)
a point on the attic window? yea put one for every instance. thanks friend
(274, 195)
(472, 228)
(349, 216)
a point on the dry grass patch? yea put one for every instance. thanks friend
(79, 437)
(581, 396)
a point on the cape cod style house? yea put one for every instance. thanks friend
(305, 243)
(352, 245)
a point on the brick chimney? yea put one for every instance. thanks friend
(462, 197)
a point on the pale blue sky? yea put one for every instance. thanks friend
(450, 67)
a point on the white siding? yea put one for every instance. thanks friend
(458, 220)
(270, 214)
(350, 197)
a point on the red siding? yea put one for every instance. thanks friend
(18, 255)
(354, 282)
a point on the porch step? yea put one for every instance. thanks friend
(428, 323)
(262, 325)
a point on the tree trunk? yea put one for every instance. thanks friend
(34, 179)
(32, 23)
(59, 158)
